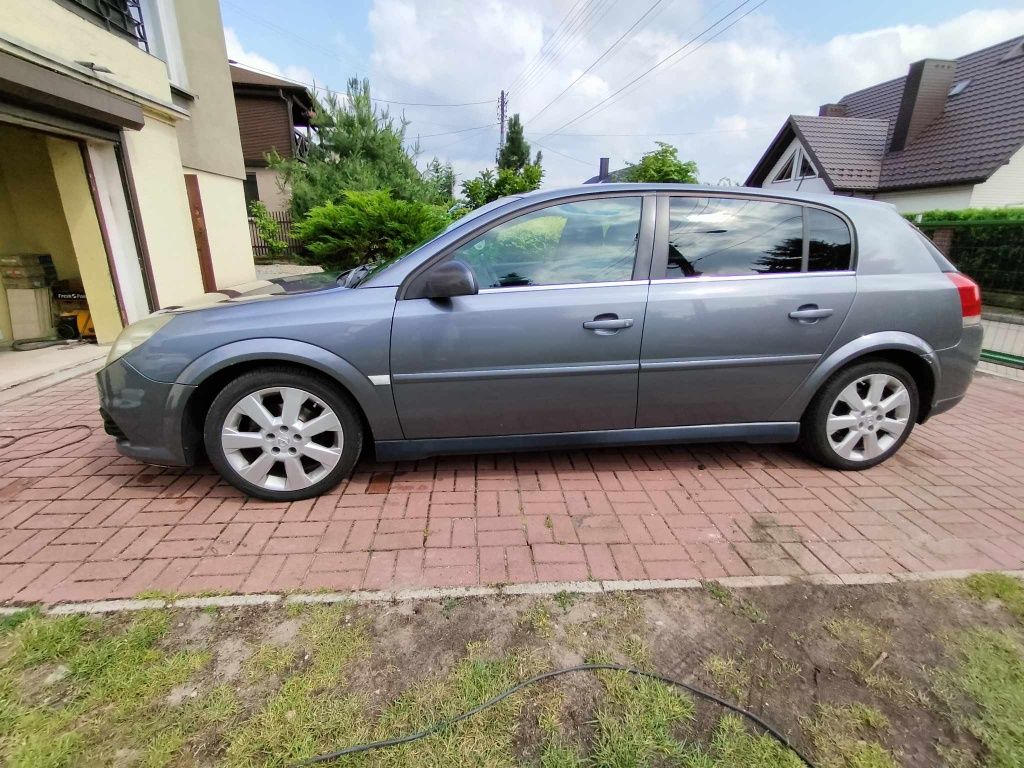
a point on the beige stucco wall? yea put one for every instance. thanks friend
(1003, 188)
(169, 145)
(54, 29)
(227, 227)
(209, 141)
(164, 212)
(269, 187)
(918, 201)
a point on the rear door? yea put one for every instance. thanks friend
(746, 296)
(552, 341)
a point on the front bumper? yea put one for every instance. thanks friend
(147, 417)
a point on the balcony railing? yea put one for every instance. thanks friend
(300, 144)
(120, 16)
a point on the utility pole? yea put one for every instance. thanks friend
(502, 117)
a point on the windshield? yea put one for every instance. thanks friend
(360, 275)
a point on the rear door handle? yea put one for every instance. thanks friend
(608, 325)
(605, 325)
(810, 312)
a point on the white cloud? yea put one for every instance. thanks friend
(237, 52)
(731, 95)
(720, 104)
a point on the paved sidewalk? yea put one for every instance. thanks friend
(82, 523)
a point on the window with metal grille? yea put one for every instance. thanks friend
(123, 16)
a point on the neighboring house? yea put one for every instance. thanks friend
(119, 153)
(604, 176)
(273, 116)
(950, 134)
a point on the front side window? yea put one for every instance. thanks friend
(729, 236)
(829, 244)
(582, 242)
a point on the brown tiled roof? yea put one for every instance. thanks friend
(851, 149)
(978, 131)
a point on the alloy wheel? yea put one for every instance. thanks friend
(282, 438)
(868, 417)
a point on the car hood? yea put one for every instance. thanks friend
(260, 289)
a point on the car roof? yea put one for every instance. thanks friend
(840, 202)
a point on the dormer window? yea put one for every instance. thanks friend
(959, 87)
(797, 166)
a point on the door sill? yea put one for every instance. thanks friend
(755, 432)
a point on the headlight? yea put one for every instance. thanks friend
(136, 334)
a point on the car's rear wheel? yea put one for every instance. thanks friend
(281, 435)
(861, 417)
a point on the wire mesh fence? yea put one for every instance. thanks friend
(992, 253)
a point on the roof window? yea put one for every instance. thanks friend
(959, 87)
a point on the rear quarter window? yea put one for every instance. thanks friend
(830, 246)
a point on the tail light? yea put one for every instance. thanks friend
(970, 297)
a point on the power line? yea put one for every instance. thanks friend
(328, 89)
(563, 154)
(623, 93)
(595, 15)
(550, 41)
(753, 126)
(598, 60)
(661, 61)
(461, 130)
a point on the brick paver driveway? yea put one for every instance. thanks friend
(80, 522)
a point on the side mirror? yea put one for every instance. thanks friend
(449, 278)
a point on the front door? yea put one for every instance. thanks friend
(552, 341)
(742, 307)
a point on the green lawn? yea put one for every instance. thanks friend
(869, 677)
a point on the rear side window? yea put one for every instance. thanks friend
(729, 236)
(830, 245)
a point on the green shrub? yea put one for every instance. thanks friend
(366, 227)
(268, 229)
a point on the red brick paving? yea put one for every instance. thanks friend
(83, 523)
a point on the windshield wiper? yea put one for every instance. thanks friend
(351, 277)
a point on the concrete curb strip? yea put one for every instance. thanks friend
(545, 588)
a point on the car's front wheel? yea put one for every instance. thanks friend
(281, 435)
(861, 417)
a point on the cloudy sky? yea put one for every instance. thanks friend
(736, 69)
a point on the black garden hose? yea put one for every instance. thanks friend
(11, 439)
(357, 748)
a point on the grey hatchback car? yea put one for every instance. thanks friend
(611, 314)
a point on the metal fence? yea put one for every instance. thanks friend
(992, 253)
(262, 250)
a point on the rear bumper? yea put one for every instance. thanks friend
(146, 417)
(956, 368)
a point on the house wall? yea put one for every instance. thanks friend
(227, 227)
(264, 124)
(209, 139)
(1003, 188)
(929, 199)
(269, 189)
(170, 144)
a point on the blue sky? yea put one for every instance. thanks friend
(721, 105)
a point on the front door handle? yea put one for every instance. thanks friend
(608, 324)
(810, 313)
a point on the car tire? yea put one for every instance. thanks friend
(283, 435)
(861, 416)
